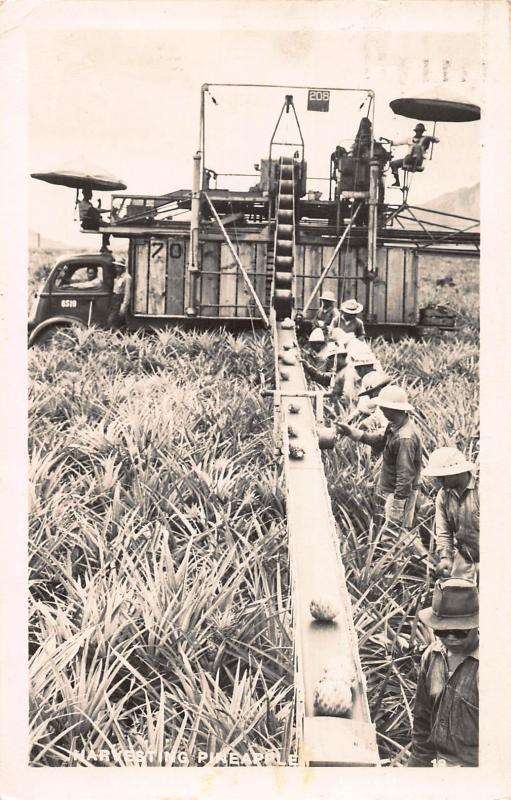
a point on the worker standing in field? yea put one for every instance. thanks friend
(328, 360)
(360, 361)
(349, 321)
(328, 315)
(446, 712)
(372, 415)
(401, 447)
(456, 514)
(120, 296)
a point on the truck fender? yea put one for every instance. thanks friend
(53, 322)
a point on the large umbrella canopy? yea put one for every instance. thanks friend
(81, 174)
(435, 110)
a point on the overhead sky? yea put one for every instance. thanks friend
(128, 100)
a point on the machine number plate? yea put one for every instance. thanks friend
(318, 100)
(68, 303)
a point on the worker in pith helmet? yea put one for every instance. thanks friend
(372, 415)
(456, 513)
(446, 712)
(360, 361)
(328, 363)
(349, 321)
(401, 447)
(418, 146)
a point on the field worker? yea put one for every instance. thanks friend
(401, 446)
(329, 362)
(328, 315)
(94, 281)
(349, 320)
(120, 296)
(418, 146)
(456, 514)
(360, 361)
(373, 418)
(446, 713)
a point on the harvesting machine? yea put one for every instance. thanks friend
(258, 255)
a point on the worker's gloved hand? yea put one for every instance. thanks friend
(444, 567)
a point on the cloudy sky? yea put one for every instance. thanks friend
(126, 96)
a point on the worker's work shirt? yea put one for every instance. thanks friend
(122, 285)
(457, 521)
(352, 325)
(402, 457)
(421, 142)
(446, 712)
(328, 317)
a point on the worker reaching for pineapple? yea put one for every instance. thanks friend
(401, 447)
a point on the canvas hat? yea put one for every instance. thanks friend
(326, 295)
(447, 461)
(455, 606)
(351, 307)
(360, 354)
(373, 380)
(394, 397)
(317, 335)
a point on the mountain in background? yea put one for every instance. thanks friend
(464, 201)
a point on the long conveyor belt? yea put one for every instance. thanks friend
(316, 567)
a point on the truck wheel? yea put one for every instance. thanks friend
(45, 337)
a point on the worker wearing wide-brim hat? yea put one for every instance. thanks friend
(418, 146)
(456, 513)
(446, 711)
(328, 315)
(401, 447)
(350, 321)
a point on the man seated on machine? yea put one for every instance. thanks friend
(419, 145)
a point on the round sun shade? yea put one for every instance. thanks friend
(80, 173)
(435, 110)
(80, 180)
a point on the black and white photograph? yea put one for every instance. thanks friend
(247, 258)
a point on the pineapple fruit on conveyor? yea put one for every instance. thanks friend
(323, 609)
(332, 697)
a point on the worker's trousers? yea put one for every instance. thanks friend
(410, 506)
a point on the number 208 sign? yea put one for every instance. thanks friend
(318, 100)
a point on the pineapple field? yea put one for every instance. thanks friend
(159, 589)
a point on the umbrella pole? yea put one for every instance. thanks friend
(432, 143)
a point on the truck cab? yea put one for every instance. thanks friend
(78, 290)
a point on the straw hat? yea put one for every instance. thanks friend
(447, 461)
(455, 606)
(393, 397)
(326, 295)
(351, 307)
